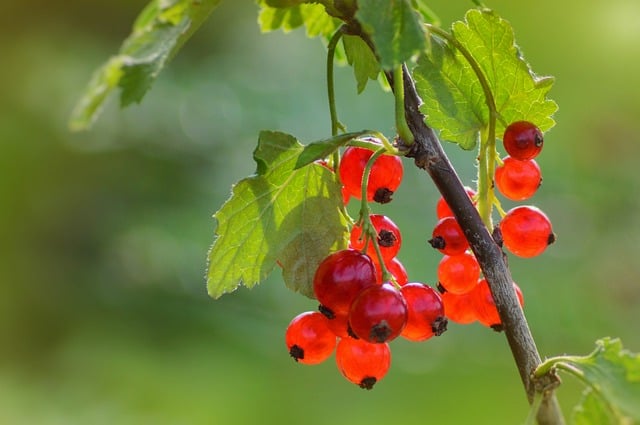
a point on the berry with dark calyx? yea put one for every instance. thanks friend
(378, 314)
(309, 339)
(458, 274)
(518, 180)
(522, 140)
(384, 178)
(486, 309)
(363, 363)
(526, 231)
(448, 238)
(425, 312)
(389, 238)
(442, 208)
(397, 270)
(340, 277)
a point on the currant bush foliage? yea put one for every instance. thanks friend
(454, 100)
(158, 33)
(277, 215)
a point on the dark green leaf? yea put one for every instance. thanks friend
(454, 101)
(395, 28)
(158, 33)
(362, 59)
(323, 148)
(293, 217)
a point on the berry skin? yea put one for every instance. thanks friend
(448, 238)
(378, 314)
(340, 277)
(518, 180)
(526, 231)
(458, 274)
(339, 325)
(426, 312)
(389, 237)
(309, 339)
(442, 208)
(397, 270)
(384, 179)
(522, 140)
(362, 363)
(460, 308)
(486, 310)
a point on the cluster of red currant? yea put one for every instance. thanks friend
(524, 230)
(365, 296)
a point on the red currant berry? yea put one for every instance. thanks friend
(459, 308)
(389, 238)
(339, 325)
(384, 179)
(378, 314)
(362, 363)
(309, 339)
(397, 270)
(425, 312)
(486, 309)
(340, 277)
(442, 208)
(458, 274)
(518, 180)
(526, 231)
(448, 238)
(522, 140)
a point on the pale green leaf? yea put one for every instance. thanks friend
(362, 59)
(612, 372)
(292, 217)
(593, 410)
(158, 34)
(313, 16)
(323, 148)
(454, 102)
(395, 28)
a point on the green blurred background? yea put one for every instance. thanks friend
(104, 317)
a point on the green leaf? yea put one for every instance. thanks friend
(362, 59)
(313, 16)
(395, 28)
(282, 215)
(612, 372)
(323, 148)
(158, 34)
(593, 410)
(454, 102)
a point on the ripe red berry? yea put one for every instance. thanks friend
(448, 238)
(340, 277)
(425, 312)
(459, 308)
(362, 363)
(442, 208)
(485, 306)
(389, 237)
(518, 180)
(339, 325)
(378, 314)
(309, 339)
(384, 179)
(526, 231)
(458, 274)
(522, 140)
(397, 270)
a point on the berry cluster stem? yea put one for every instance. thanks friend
(331, 50)
(428, 155)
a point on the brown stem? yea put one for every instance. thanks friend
(428, 155)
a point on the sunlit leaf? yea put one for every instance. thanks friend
(292, 217)
(454, 101)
